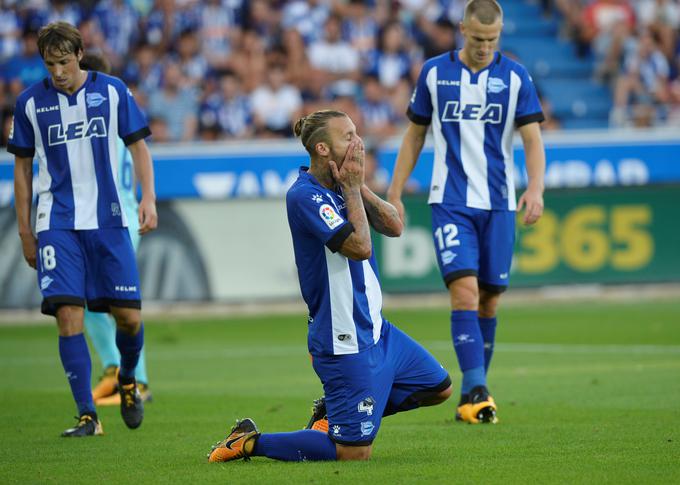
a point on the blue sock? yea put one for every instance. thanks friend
(472, 378)
(75, 357)
(469, 347)
(304, 445)
(101, 329)
(130, 347)
(488, 328)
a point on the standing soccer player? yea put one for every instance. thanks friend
(100, 327)
(474, 99)
(83, 254)
(369, 368)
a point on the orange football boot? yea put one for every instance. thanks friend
(239, 444)
(477, 407)
(107, 385)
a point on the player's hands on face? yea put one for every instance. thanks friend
(29, 246)
(148, 218)
(351, 173)
(532, 202)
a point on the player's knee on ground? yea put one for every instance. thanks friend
(128, 320)
(353, 453)
(464, 293)
(488, 303)
(70, 320)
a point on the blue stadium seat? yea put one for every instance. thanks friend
(562, 78)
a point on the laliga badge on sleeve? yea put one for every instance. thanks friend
(329, 216)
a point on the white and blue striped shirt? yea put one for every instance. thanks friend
(343, 296)
(473, 117)
(76, 141)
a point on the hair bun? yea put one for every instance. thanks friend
(299, 125)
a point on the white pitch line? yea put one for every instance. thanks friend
(279, 351)
(569, 348)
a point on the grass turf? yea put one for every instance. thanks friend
(587, 393)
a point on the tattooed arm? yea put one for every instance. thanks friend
(382, 215)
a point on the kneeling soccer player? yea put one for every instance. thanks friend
(369, 368)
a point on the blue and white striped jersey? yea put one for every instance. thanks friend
(76, 141)
(343, 296)
(473, 117)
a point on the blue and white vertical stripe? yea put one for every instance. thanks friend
(473, 118)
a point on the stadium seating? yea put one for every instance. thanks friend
(561, 77)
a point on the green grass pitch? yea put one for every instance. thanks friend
(587, 393)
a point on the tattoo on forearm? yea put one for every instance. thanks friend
(382, 215)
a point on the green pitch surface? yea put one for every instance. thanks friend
(587, 393)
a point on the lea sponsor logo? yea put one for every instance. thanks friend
(58, 134)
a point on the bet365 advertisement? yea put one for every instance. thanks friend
(615, 235)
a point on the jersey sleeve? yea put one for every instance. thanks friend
(420, 107)
(132, 124)
(317, 214)
(21, 135)
(528, 106)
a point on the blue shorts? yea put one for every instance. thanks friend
(474, 242)
(97, 267)
(391, 376)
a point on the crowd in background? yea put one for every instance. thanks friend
(636, 47)
(234, 69)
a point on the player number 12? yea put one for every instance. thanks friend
(446, 236)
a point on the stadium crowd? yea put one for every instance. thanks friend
(636, 48)
(235, 69)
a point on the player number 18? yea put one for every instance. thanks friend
(48, 259)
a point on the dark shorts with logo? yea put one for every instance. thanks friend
(392, 376)
(95, 267)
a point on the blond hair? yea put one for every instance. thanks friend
(486, 11)
(312, 128)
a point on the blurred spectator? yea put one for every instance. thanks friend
(390, 62)
(175, 105)
(606, 24)
(375, 177)
(26, 68)
(159, 130)
(378, 116)
(145, 69)
(93, 39)
(5, 125)
(249, 60)
(643, 83)
(361, 29)
(226, 113)
(275, 104)
(219, 32)
(440, 38)
(118, 22)
(10, 30)
(551, 123)
(295, 58)
(189, 58)
(392, 65)
(662, 18)
(334, 62)
(60, 10)
(168, 19)
(305, 17)
(264, 20)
